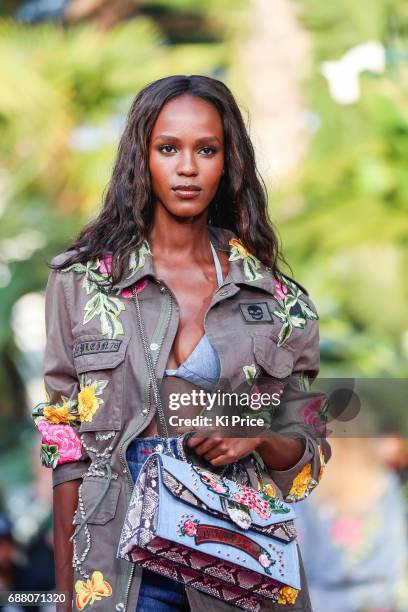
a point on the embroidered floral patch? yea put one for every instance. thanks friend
(210, 533)
(287, 595)
(101, 304)
(106, 303)
(49, 455)
(293, 310)
(322, 463)
(57, 422)
(315, 413)
(302, 485)
(60, 443)
(250, 262)
(88, 400)
(91, 590)
(138, 258)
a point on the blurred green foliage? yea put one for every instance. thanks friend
(343, 217)
(63, 101)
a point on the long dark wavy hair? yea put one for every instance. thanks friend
(240, 203)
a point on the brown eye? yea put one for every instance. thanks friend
(165, 148)
(209, 151)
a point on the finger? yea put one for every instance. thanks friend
(207, 445)
(223, 460)
(195, 441)
(217, 451)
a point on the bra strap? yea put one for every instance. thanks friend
(217, 264)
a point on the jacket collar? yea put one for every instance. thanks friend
(245, 269)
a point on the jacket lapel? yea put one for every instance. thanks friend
(244, 269)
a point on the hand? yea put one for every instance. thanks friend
(223, 451)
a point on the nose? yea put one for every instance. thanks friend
(187, 164)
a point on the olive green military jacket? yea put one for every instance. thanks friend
(99, 396)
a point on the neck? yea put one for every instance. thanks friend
(179, 238)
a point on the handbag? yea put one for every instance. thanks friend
(207, 531)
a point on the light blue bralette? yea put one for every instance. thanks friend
(202, 367)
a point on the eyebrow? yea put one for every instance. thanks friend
(199, 140)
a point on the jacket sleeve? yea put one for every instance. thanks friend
(57, 418)
(303, 414)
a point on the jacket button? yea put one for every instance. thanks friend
(120, 606)
(154, 346)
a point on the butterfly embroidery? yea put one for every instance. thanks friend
(92, 590)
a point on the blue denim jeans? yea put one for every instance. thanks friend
(157, 593)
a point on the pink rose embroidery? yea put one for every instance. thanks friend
(313, 415)
(105, 265)
(281, 291)
(140, 286)
(264, 560)
(190, 528)
(67, 441)
(253, 501)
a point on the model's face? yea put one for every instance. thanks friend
(186, 155)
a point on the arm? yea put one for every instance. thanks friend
(296, 453)
(57, 420)
(65, 500)
(297, 464)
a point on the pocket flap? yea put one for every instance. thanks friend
(224, 495)
(275, 360)
(91, 490)
(98, 353)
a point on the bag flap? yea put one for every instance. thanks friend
(243, 505)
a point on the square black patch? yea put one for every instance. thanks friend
(256, 312)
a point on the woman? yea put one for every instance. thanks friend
(185, 225)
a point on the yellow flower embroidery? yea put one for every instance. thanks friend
(250, 263)
(92, 590)
(58, 414)
(301, 482)
(322, 463)
(240, 247)
(270, 490)
(88, 403)
(287, 595)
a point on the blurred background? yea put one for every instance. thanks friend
(323, 87)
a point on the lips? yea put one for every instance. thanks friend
(186, 191)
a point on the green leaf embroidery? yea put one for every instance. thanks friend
(79, 268)
(250, 372)
(137, 258)
(99, 386)
(250, 263)
(101, 304)
(93, 307)
(308, 312)
(110, 323)
(275, 504)
(49, 455)
(288, 312)
(284, 333)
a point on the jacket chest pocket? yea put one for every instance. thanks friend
(100, 365)
(274, 360)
